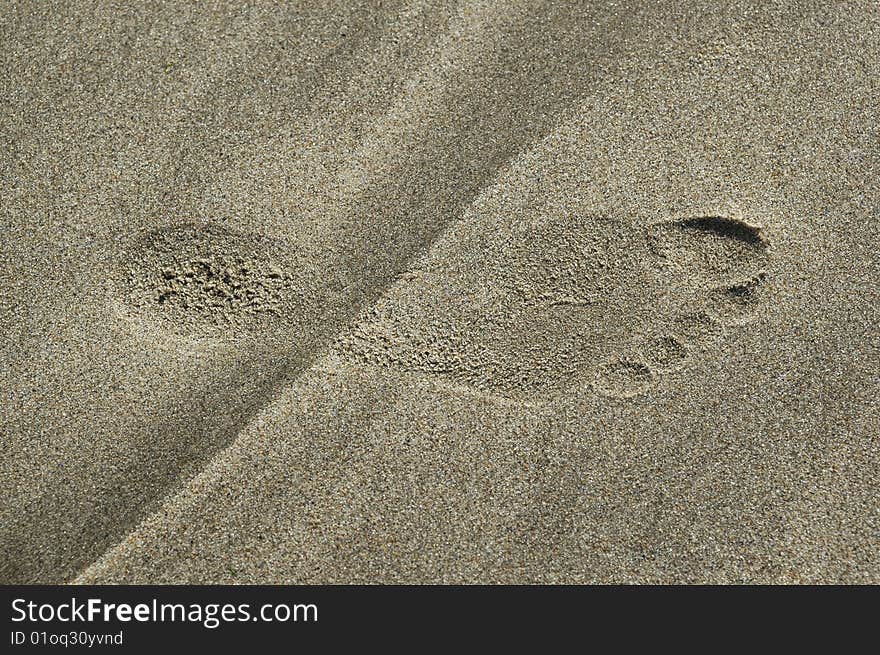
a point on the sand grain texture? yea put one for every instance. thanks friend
(421, 292)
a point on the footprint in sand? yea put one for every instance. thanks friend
(547, 305)
(206, 280)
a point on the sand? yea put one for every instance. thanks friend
(436, 292)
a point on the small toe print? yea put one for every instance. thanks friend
(623, 377)
(665, 353)
(738, 303)
(697, 329)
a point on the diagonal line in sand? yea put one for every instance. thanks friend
(399, 121)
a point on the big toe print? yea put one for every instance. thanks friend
(725, 257)
(717, 247)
